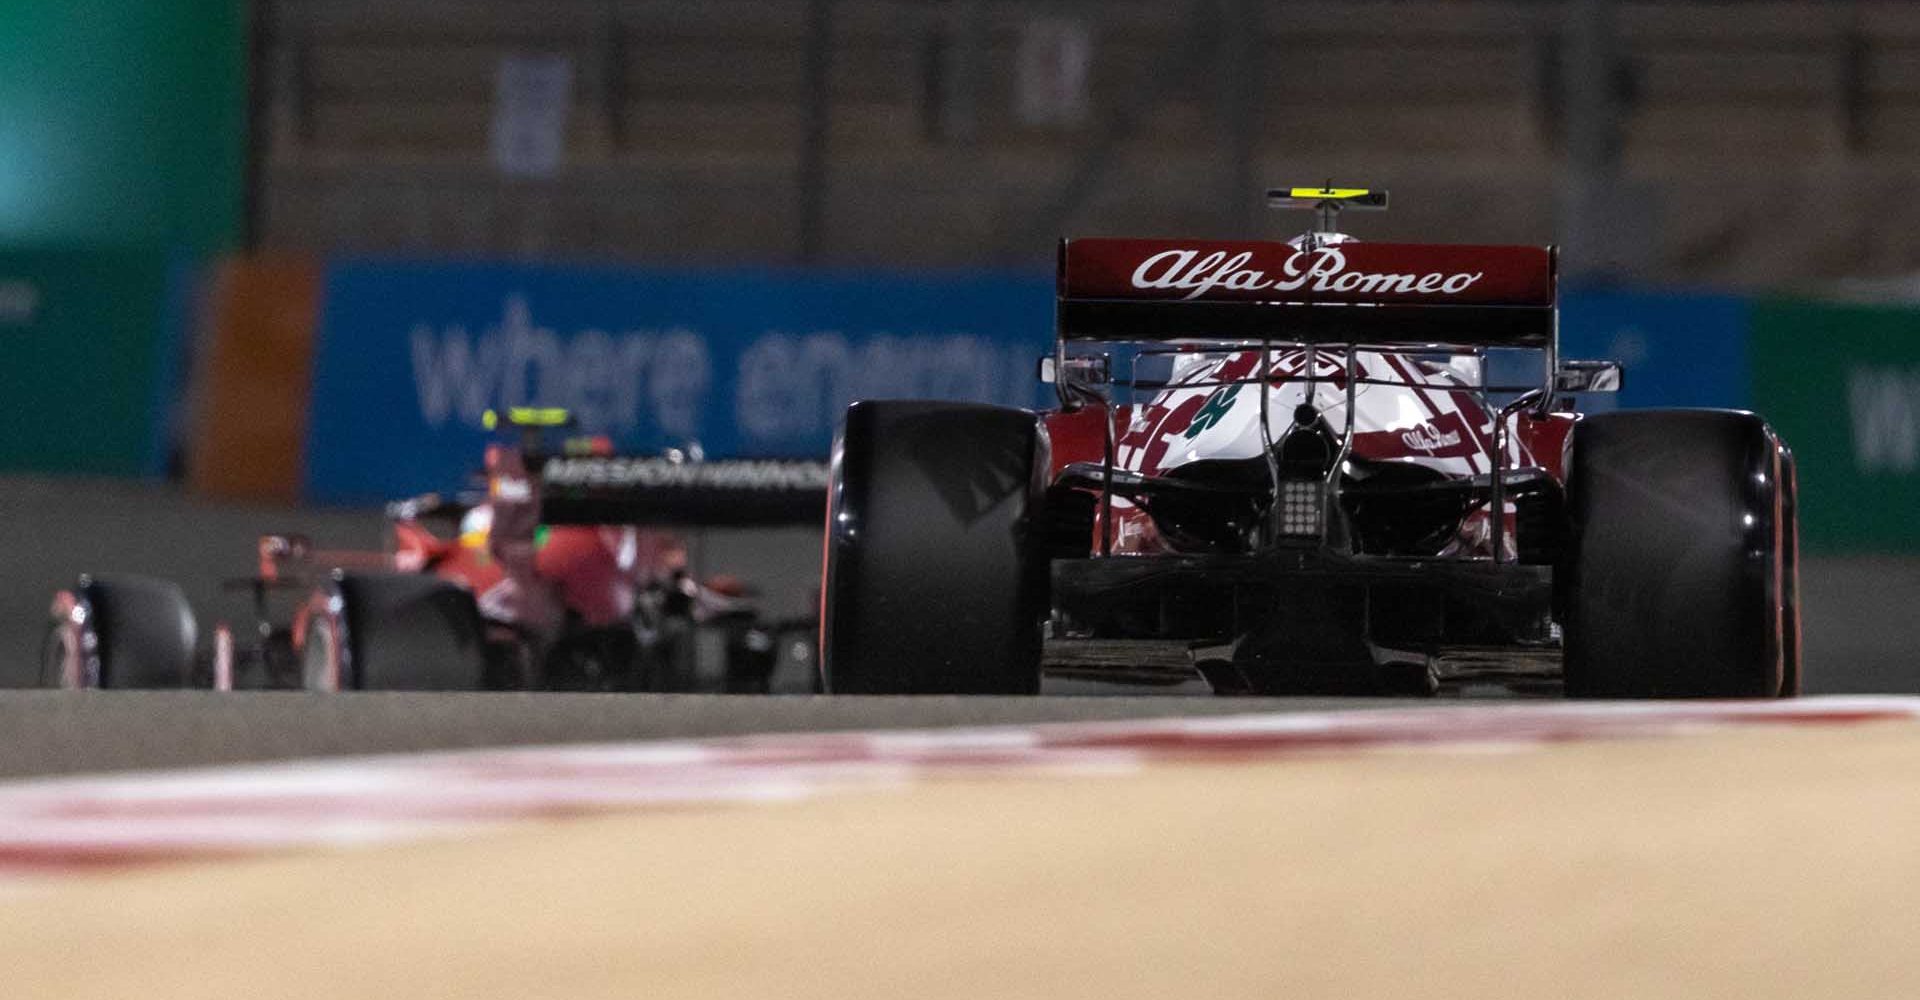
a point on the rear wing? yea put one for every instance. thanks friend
(585, 482)
(1342, 292)
(663, 492)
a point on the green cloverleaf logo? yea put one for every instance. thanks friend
(1213, 409)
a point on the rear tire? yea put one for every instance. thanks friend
(1675, 584)
(392, 632)
(120, 632)
(935, 575)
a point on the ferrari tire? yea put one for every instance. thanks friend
(935, 570)
(1676, 579)
(120, 632)
(392, 632)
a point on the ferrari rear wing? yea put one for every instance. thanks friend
(1342, 292)
(582, 481)
(656, 490)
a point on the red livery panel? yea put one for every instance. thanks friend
(1334, 273)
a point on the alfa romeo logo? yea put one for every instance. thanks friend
(1213, 409)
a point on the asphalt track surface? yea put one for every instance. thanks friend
(60, 732)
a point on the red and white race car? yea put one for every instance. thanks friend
(1292, 467)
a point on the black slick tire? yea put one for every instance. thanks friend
(121, 632)
(1676, 579)
(935, 571)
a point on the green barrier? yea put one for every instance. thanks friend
(122, 122)
(1842, 385)
(80, 359)
(122, 134)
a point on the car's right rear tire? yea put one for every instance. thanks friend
(392, 632)
(1678, 582)
(935, 576)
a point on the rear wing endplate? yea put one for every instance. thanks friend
(1338, 292)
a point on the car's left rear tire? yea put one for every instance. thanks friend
(935, 575)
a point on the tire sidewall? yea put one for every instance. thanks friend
(323, 647)
(1673, 581)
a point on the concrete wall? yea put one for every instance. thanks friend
(1862, 632)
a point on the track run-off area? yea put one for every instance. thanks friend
(1154, 847)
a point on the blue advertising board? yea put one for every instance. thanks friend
(409, 355)
(1678, 349)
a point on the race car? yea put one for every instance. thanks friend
(569, 572)
(1314, 466)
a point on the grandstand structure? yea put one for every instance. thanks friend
(1740, 144)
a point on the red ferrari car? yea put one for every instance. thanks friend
(1320, 465)
(569, 572)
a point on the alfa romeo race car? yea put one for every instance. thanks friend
(1309, 466)
(569, 572)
